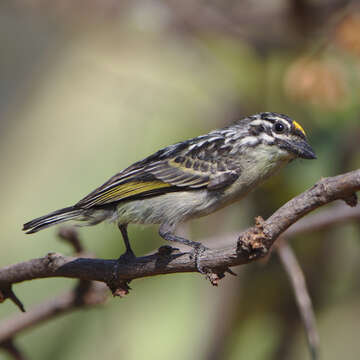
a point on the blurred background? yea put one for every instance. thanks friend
(88, 87)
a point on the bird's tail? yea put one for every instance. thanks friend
(53, 218)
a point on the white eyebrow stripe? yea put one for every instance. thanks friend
(283, 121)
(268, 124)
(260, 122)
(286, 122)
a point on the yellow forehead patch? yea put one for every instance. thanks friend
(299, 127)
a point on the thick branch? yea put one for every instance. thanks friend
(252, 244)
(325, 191)
(332, 216)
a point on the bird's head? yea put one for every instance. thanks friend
(279, 130)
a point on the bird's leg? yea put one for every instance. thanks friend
(166, 232)
(128, 254)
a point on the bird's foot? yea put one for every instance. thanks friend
(166, 250)
(127, 256)
(196, 254)
(214, 275)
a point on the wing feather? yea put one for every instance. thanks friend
(123, 192)
(198, 163)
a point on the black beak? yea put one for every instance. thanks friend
(302, 149)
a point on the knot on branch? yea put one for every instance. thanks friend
(215, 275)
(254, 241)
(351, 200)
(320, 191)
(54, 260)
(118, 287)
(324, 192)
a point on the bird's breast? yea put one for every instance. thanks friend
(176, 207)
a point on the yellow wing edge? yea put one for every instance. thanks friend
(130, 189)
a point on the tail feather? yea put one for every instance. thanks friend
(53, 218)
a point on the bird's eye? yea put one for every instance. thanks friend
(279, 127)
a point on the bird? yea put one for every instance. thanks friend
(189, 179)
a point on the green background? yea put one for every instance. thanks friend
(87, 89)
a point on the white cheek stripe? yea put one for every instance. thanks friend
(267, 138)
(249, 140)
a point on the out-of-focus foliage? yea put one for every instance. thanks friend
(89, 87)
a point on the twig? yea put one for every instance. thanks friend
(71, 236)
(6, 292)
(95, 294)
(85, 293)
(303, 300)
(10, 347)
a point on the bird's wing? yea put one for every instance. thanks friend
(203, 162)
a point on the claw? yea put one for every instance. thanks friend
(127, 256)
(196, 254)
(228, 270)
(166, 250)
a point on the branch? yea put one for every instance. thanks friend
(10, 347)
(84, 296)
(303, 300)
(85, 293)
(335, 215)
(6, 292)
(252, 244)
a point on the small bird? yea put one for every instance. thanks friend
(190, 179)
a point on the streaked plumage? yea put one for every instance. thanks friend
(191, 178)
